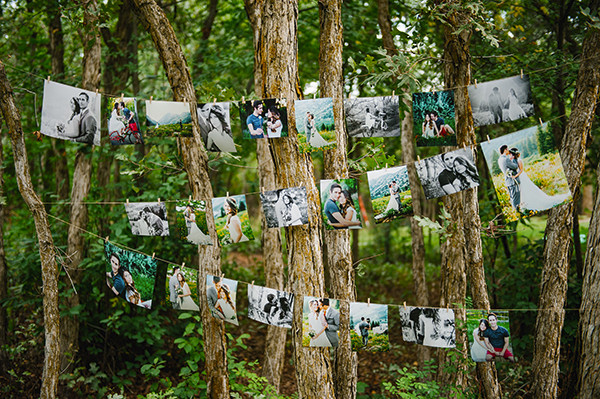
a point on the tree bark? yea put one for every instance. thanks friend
(3, 272)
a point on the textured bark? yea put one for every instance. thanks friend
(12, 118)
(196, 164)
(3, 273)
(553, 288)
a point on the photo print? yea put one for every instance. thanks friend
(339, 201)
(264, 119)
(502, 100)
(70, 113)
(448, 173)
(489, 336)
(182, 288)
(433, 118)
(231, 219)
(190, 223)
(428, 326)
(390, 193)
(215, 127)
(130, 275)
(527, 172)
(147, 218)
(369, 327)
(168, 119)
(372, 116)
(123, 123)
(270, 306)
(221, 294)
(285, 207)
(315, 124)
(320, 322)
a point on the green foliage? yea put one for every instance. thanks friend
(412, 383)
(545, 140)
(173, 130)
(443, 228)
(376, 343)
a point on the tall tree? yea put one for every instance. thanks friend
(3, 271)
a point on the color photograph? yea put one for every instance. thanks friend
(285, 207)
(369, 327)
(221, 295)
(215, 127)
(372, 116)
(489, 336)
(320, 322)
(190, 222)
(434, 118)
(168, 119)
(391, 196)
(182, 288)
(339, 204)
(428, 326)
(231, 219)
(315, 124)
(123, 124)
(263, 119)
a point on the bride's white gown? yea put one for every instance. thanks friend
(227, 310)
(186, 302)
(114, 124)
(71, 128)
(392, 204)
(514, 109)
(534, 199)
(315, 325)
(197, 237)
(315, 138)
(477, 351)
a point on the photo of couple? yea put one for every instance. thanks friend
(231, 219)
(390, 193)
(320, 322)
(147, 218)
(130, 275)
(70, 113)
(527, 172)
(190, 222)
(168, 119)
(434, 118)
(372, 116)
(183, 288)
(428, 326)
(285, 207)
(489, 335)
(315, 124)
(270, 306)
(339, 201)
(221, 294)
(264, 119)
(123, 124)
(369, 327)
(215, 127)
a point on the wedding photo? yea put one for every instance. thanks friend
(372, 116)
(70, 113)
(502, 100)
(123, 123)
(489, 336)
(190, 222)
(168, 119)
(320, 322)
(434, 118)
(270, 306)
(215, 127)
(130, 275)
(182, 288)
(221, 294)
(391, 196)
(428, 326)
(527, 172)
(339, 204)
(285, 207)
(315, 124)
(147, 218)
(369, 327)
(263, 119)
(231, 219)
(448, 173)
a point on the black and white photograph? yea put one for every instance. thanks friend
(501, 100)
(372, 116)
(434, 120)
(70, 113)
(339, 204)
(264, 119)
(190, 223)
(428, 326)
(369, 327)
(285, 207)
(448, 173)
(168, 119)
(320, 322)
(147, 218)
(391, 196)
(215, 127)
(182, 288)
(221, 294)
(315, 124)
(488, 332)
(270, 306)
(123, 123)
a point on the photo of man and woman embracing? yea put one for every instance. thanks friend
(182, 288)
(190, 223)
(339, 201)
(264, 119)
(221, 295)
(320, 322)
(390, 193)
(489, 335)
(369, 327)
(123, 124)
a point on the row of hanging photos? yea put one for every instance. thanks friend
(130, 276)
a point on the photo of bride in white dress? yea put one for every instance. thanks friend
(390, 193)
(315, 124)
(191, 222)
(321, 320)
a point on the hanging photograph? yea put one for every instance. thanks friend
(285, 207)
(70, 113)
(428, 326)
(182, 288)
(315, 124)
(130, 275)
(147, 218)
(339, 202)
(190, 223)
(369, 327)
(448, 173)
(433, 118)
(489, 337)
(391, 197)
(270, 306)
(502, 100)
(215, 127)
(123, 124)
(168, 119)
(221, 294)
(527, 172)
(320, 322)
(372, 116)
(231, 219)
(264, 119)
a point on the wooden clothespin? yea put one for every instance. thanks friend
(122, 97)
(127, 201)
(153, 255)
(184, 100)
(252, 284)
(262, 189)
(183, 264)
(106, 239)
(150, 99)
(190, 198)
(419, 159)
(96, 91)
(215, 100)
(521, 74)
(386, 165)
(404, 305)
(464, 146)
(48, 78)
(227, 194)
(315, 95)
(159, 200)
(243, 99)
(475, 83)
(488, 138)
(368, 301)
(541, 123)
(393, 93)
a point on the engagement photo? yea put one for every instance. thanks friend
(190, 222)
(168, 119)
(147, 218)
(215, 127)
(489, 335)
(264, 119)
(315, 124)
(231, 219)
(369, 327)
(130, 275)
(372, 116)
(270, 306)
(285, 207)
(391, 196)
(339, 202)
(320, 322)
(428, 326)
(221, 294)
(123, 124)
(527, 172)
(182, 288)
(434, 119)
(70, 113)
(502, 100)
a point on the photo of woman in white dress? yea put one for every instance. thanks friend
(478, 347)
(315, 138)
(317, 325)
(219, 137)
(195, 235)
(71, 127)
(393, 202)
(233, 225)
(225, 304)
(514, 109)
(289, 212)
(116, 125)
(185, 297)
(347, 209)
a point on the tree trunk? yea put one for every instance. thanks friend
(3, 273)
(47, 250)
